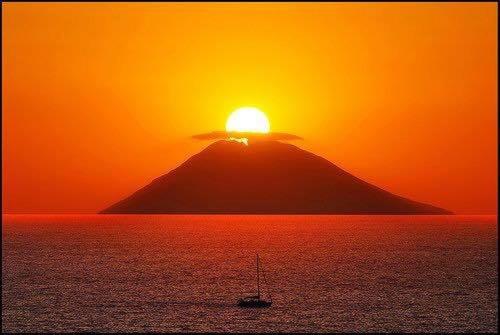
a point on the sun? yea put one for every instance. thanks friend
(248, 119)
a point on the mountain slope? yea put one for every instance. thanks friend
(265, 177)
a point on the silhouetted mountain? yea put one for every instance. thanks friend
(264, 177)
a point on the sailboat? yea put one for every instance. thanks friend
(255, 301)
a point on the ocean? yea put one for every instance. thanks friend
(185, 273)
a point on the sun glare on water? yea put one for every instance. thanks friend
(247, 119)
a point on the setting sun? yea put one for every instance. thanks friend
(248, 119)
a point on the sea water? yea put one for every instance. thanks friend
(164, 273)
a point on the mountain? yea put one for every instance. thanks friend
(265, 177)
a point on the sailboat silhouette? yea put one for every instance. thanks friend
(255, 301)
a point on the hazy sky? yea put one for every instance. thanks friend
(99, 99)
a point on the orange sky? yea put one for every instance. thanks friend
(99, 99)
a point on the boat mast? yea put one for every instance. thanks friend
(258, 279)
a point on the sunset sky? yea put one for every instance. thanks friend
(99, 99)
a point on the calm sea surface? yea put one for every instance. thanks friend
(185, 273)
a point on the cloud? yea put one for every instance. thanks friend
(217, 135)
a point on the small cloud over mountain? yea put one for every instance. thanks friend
(219, 135)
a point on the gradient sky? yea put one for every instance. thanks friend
(99, 99)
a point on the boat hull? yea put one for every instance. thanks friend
(254, 304)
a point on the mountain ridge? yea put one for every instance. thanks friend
(265, 177)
